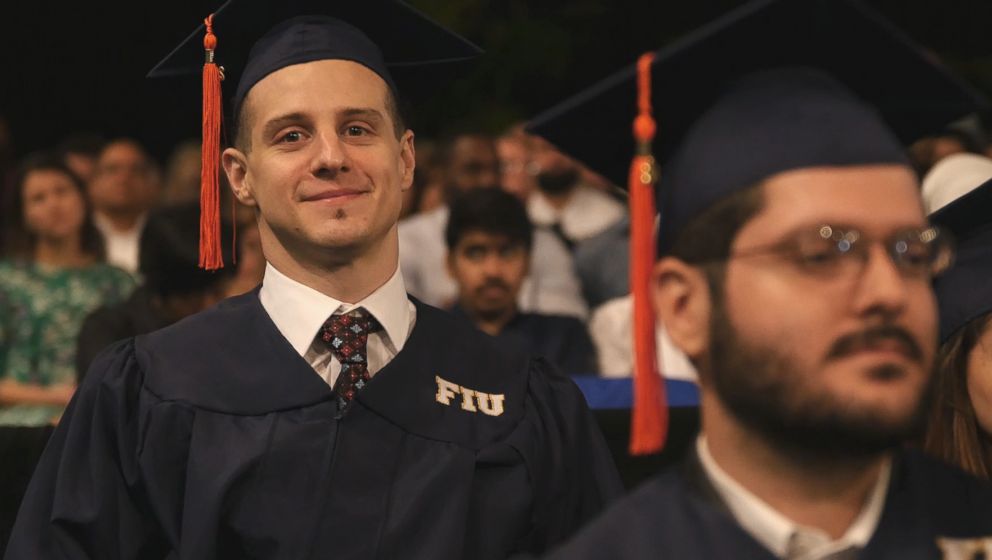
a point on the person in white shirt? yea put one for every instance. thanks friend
(562, 202)
(123, 189)
(469, 162)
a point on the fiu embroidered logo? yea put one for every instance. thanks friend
(965, 549)
(472, 401)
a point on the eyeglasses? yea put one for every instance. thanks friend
(829, 252)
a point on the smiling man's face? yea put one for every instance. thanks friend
(323, 164)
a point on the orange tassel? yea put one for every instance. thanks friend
(210, 249)
(649, 417)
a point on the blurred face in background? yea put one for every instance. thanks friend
(54, 207)
(125, 181)
(489, 270)
(472, 164)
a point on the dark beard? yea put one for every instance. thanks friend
(557, 182)
(763, 390)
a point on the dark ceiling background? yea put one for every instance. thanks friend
(80, 66)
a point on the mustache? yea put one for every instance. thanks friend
(493, 283)
(872, 337)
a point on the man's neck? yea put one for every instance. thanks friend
(121, 221)
(492, 324)
(349, 280)
(827, 495)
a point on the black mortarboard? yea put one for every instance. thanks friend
(964, 292)
(729, 114)
(256, 38)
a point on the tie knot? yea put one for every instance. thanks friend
(346, 335)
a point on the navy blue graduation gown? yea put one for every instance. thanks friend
(679, 515)
(213, 438)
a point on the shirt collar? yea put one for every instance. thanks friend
(298, 311)
(774, 530)
(106, 227)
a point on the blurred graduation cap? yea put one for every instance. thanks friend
(772, 86)
(964, 292)
(246, 40)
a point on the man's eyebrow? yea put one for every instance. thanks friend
(362, 112)
(274, 124)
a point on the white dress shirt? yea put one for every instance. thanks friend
(299, 311)
(122, 246)
(612, 330)
(780, 535)
(552, 287)
(588, 211)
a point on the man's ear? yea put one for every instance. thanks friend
(235, 164)
(408, 159)
(681, 297)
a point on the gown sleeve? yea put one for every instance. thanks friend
(572, 472)
(85, 498)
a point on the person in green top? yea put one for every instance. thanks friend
(52, 276)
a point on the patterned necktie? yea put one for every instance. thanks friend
(347, 336)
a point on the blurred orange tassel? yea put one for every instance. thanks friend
(649, 416)
(210, 251)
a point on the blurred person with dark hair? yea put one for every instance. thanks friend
(574, 210)
(182, 175)
(124, 188)
(80, 152)
(489, 241)
(174, 286)
(54, 278)
(469, 162)
(927, 152)
(960, 426)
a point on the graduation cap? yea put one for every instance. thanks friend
(964, 292)
(246, 40)
(772, 86)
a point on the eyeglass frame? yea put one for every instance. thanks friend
(846, 244)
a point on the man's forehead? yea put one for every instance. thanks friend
(876, 197)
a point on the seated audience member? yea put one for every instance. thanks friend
(468, 162)
(960, 427)
(563, 202)
(182, 175)
(79, 152)
(53, 279)
(124, 188)
(611, 328)
(489, 250)
(603, 263)
(173, 287)
(517, 172)
(797, 277)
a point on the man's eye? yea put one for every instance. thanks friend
(821, 255)
(355, 130)
(292, 137)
